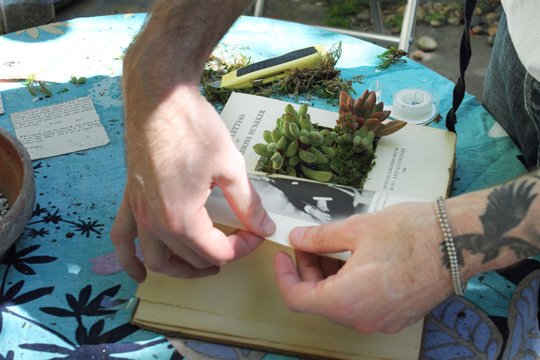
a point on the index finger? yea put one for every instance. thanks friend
(123, 233)
(215, 245)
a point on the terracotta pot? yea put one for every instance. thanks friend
(17, 185)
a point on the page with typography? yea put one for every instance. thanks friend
(415, 162)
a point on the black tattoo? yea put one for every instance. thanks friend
(507, 207)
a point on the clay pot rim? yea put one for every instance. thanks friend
(28, 182)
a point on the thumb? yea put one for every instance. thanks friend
(247, 206)
(325, 238)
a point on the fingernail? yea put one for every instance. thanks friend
(297, 233)
(268, 226)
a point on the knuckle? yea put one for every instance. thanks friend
(219, 259)
(348, 230)
(254, 205)
(382, 325)
(319, 234)
(367, 326)
(117, 236)
(144, 220)
(364, 326)
(393, 329)
(200, 263)
(341, 311)
(172, 223)
(154, 264)
(291, 305)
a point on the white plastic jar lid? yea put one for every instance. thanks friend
(413, 105)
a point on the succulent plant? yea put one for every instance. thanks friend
(365, 112)
(296, 147)
(345, 154)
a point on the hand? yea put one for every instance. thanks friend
(177, 149)
(317, 213)
(393, 278)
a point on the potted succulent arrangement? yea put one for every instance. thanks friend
(342, 155)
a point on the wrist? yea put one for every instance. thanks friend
(180, 36)
(148, 110)
(429, 231)
(478, 251)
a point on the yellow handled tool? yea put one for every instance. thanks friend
(267, 71)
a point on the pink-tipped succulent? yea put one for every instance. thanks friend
(365, 111)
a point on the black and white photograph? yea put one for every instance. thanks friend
(311, 201)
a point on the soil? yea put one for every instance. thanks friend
(4, 206)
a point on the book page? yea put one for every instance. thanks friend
(242, 305)
(415, 162)
(59, 129)
(247, 116)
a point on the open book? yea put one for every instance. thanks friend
(241, 305)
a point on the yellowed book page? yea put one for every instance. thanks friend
(415, 162)
(242, 305)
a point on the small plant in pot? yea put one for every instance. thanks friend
(342, 155)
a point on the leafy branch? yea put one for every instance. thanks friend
(36, 86)
(390, 56)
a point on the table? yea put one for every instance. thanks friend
(53, 302)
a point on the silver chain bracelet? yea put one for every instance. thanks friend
(440, 211)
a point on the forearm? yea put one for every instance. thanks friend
(496, 227)
(179, 37)
(163, 66)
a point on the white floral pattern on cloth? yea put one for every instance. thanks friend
(106, 93)
(53, 28)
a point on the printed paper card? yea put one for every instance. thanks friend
(59, 129)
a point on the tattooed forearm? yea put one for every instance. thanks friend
(507, 207)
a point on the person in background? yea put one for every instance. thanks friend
(512, 85)
(400, 268)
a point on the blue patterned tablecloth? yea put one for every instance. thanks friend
(55, 304)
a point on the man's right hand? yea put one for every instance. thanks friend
(174, 159)
(177, 149)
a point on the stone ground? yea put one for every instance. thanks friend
(444, 60)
